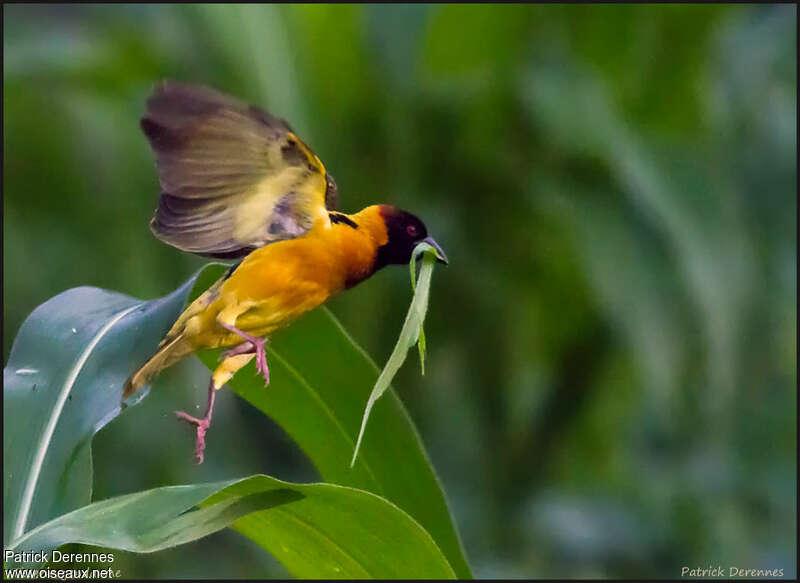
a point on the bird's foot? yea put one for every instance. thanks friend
(202, 426)
(243, 348)
(251, 344)
(261, 360)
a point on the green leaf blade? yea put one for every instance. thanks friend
(321, 379)
(410, 334)
(354, 532)
(315, 530)
(62, 383)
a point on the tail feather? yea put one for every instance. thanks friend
(167, 355)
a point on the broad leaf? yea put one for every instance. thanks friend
(62, 384)
(315, 530)
(320, 380)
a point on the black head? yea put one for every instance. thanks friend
(405, 232)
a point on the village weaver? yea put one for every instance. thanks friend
(237, 182)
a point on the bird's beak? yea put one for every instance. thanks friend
(440, 256)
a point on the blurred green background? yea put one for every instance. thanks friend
(612, 350)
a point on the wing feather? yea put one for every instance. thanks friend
(233, 177)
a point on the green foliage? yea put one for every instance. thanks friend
(413, 269)
(319, 382)
(411, 333)
(316, 530)
(61, 385)
(328, 531)
(339, 532)
(611, 379)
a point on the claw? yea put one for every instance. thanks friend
(251, 344)
(202, 424)
(202, 427)
(243, 348)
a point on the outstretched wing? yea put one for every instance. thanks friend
(233, 177)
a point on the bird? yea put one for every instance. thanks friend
(237, 183)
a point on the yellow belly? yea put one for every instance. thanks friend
(257, 303)
(280, 282)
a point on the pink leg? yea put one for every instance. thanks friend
(243, 348)
(202, 424)
(256, 345)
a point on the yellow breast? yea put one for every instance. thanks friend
(280, 282)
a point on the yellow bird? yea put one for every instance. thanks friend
(237, 182)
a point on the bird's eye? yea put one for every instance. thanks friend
(411, 230)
